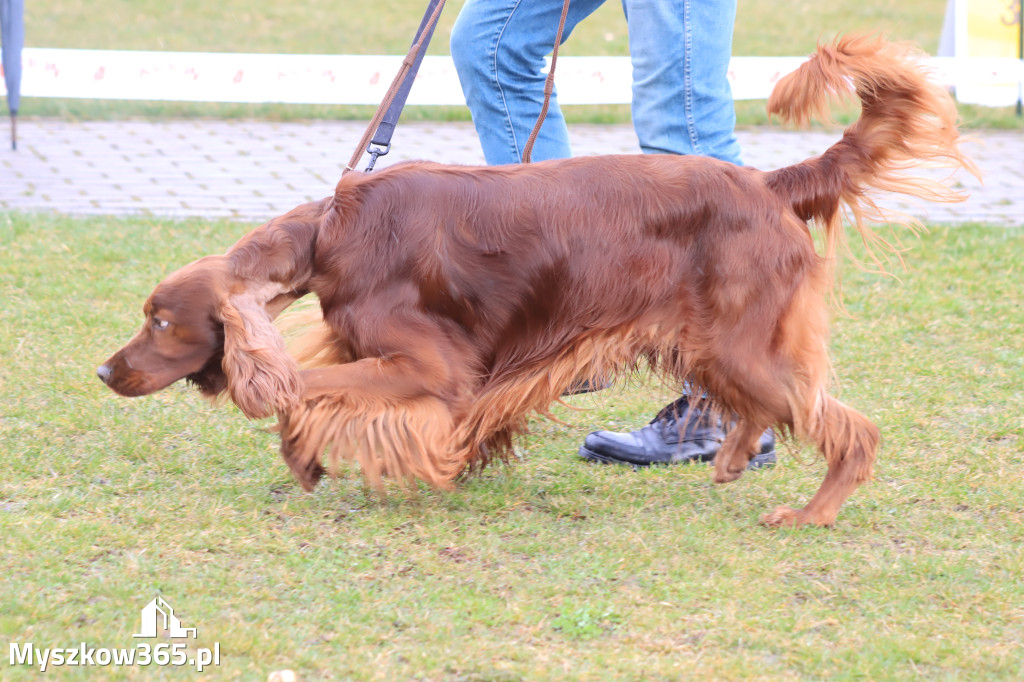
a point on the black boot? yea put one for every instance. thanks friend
(680, 433)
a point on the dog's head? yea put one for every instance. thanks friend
(214, 329)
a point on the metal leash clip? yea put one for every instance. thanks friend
(375, 150)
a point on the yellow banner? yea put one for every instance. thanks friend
(992, 28)
(986, 43)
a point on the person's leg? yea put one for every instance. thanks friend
(682, 101)
(498, 47)
(682, 104)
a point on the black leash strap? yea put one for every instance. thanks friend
(380, 144)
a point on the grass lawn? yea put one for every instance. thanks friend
(776, 27)
(552, 569)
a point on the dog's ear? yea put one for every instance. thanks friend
(261, 377)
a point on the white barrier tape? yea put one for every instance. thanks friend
(364, 79)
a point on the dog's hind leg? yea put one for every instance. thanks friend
(740, 446)
(849, 442)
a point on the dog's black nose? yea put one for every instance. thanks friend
(103, 372)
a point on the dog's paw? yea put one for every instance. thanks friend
(783, 517)
(787, 517)
(725, 475)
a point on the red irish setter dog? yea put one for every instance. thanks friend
(457, 301)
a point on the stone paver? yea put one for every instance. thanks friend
(253, 171)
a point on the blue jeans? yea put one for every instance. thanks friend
(680, 49)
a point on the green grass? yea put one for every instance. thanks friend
(323, 27)
(552, 569)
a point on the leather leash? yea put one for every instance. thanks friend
(549, 86)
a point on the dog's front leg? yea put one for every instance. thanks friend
(387, 414)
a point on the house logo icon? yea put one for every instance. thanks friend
(151, 615)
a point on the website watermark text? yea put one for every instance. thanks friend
(145, 654)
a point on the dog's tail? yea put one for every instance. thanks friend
(905, 121)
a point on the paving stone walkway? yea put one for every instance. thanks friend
(253, 171)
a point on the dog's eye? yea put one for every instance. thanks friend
(160, 324)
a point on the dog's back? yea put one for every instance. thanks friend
(503, 249)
